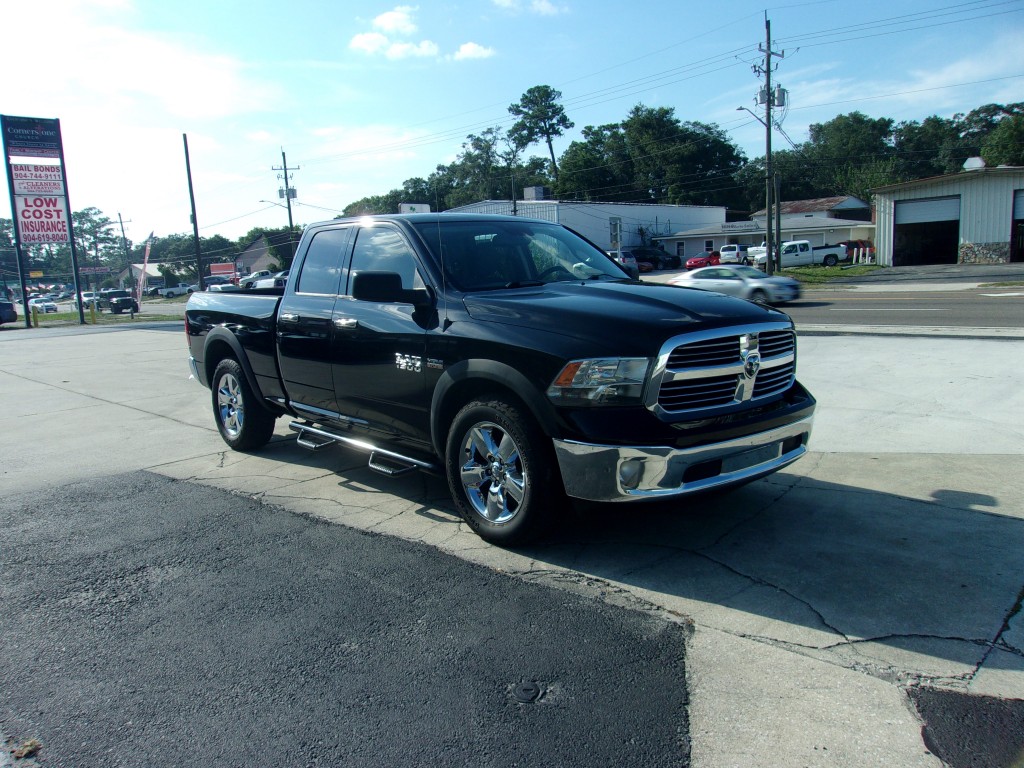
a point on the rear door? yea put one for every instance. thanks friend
(305, 323)
(379, 348)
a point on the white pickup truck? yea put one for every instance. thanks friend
(798, 253)
(175, 290)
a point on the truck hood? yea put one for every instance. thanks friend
(624, 316)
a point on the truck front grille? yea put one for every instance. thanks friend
(716, 371)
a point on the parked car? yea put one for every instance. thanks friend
(88, 298)
(175, 290)
(742, 281)
(8, 314)
(859, 249)
(628, 263)
(649, 258)
(42, 304)
(118, 301)
(797, 253)
(703, 260)
(733, 253)
(248, 281)
(277, 280)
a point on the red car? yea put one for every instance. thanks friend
(704, 260)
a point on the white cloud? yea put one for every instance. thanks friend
(368, 42)
(540, 7)
(473, 51)
(545, 8)
(407, 50)
(397, 21)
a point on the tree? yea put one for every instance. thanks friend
(1005, 144)
(540, 117)
(928, 148)
(843, 143)
(598, 168)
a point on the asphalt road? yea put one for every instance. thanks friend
(148, 622)
(817, 602)
(964, 308)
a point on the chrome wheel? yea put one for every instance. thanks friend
(492, 472)
(230, 405)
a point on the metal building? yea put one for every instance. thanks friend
(972, 217)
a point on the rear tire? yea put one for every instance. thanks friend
(502, 472)
(830, 260)
(242, 421)
(759, 297)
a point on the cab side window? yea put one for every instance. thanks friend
(379, 249)
(323, 266)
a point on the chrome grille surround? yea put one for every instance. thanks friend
(709, 372)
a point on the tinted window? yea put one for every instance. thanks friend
(380, 249)
(321, 269)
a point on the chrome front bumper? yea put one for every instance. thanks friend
(629, 473)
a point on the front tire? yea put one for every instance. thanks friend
(243, 423)
(759, 296)
(502, 472)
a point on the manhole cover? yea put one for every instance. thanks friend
(527, 693)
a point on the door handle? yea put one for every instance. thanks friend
(288, 317)
(345, 323)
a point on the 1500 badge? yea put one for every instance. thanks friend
(408, 363)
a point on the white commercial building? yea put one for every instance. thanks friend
(609, 225)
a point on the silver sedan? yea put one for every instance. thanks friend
(745, 282)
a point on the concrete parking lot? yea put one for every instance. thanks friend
(817, 600)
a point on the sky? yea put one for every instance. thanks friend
(362, 96)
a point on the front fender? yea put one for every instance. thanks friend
(477, 372)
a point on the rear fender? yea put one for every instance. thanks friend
(221, 343)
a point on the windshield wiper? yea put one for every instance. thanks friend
(525, 284)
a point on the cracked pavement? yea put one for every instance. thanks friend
(886, 561)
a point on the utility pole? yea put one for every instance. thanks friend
(195, 222)
(288, 192)
(768, 98)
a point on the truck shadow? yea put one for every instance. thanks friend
(796, 559)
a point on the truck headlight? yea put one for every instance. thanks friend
(602, 381)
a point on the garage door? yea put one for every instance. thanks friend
(921, 211)
(926, 232)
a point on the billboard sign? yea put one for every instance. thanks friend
(30, 179)
(42, 219)
(31, 136)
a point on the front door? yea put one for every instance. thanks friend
(379, 349)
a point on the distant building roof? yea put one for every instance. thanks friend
(819, 205)
(966, 175)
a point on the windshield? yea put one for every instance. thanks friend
(491, 254)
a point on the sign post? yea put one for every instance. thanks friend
(37, 184)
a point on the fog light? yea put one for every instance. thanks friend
(630, 472)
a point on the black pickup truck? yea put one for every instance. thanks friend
(118, 301)
(510, 355)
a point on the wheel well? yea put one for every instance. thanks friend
(217, 351)
(465, 392)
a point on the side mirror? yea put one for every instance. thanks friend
(386, 288)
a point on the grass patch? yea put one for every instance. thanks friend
(818, 274)
(53, 319)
